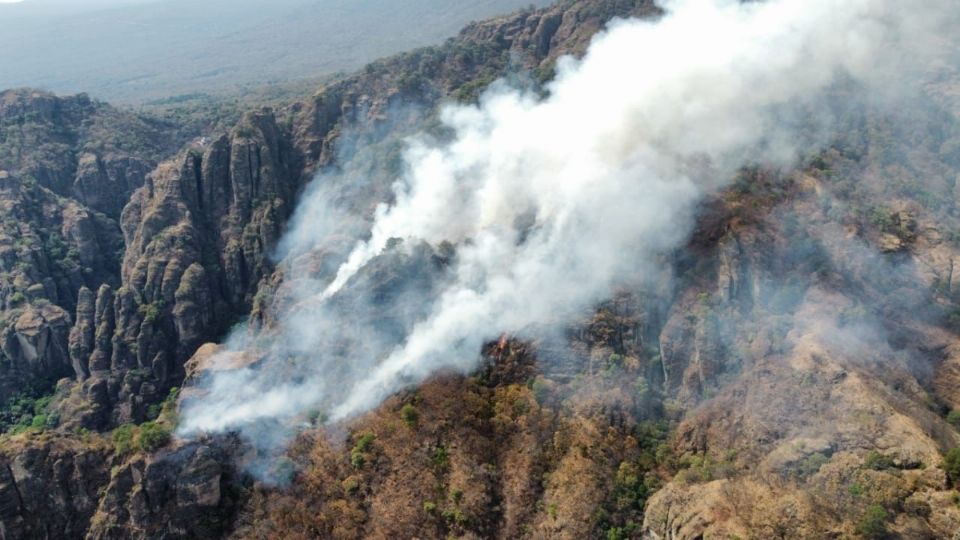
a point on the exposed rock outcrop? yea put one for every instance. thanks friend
(80, 148)
(184, 492)
(55, 486)
(198, 237)
(199, 233)
(50, 487)
(50, 249)
(802, 350)
(67, 167)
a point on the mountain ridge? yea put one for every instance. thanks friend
(773, 387)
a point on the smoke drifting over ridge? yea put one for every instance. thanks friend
(551, 202)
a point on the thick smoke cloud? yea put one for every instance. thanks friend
(549, 203)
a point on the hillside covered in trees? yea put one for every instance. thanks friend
(792, 370)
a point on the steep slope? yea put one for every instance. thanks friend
(798, 353)
(52, 248)
(200, 234)
(838, 412)
(807, 400)
(80, 148)
(793, 379)
(198, 238)
(67, 167)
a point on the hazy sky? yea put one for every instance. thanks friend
(135, 51)
(74, 5)
(78, 3)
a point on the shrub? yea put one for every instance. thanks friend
(541, 390)
(665, 456)
(316, 417)
(454, 515)
(882, 218)
(282, 471)
(150, 312)
(471, 91)
(409, 414)
(440, 458)
(878, 462)
(951, 464)
(26, 411)
(152, 436)
(356, 459)
(615, 360)
(642, 388)
(364, 441)
(40, 404)
(350, 485)
(545, 73)
(810, 465)
(954, 418)
(873, 525)
(123, 439)
(696, 468)
(622, 533)
(153, 411)
(56, 247)
(552, 510)
(168, 408)
(632, 487)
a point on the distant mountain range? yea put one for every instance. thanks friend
(133, 51)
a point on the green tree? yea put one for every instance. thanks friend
(951, 464)
(877, 461)
(409, 414)
(363, 444)
(152, 436)
(873, 525)
(123, 439)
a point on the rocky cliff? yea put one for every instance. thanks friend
(792, 378)
(124, 298)
(80, 148)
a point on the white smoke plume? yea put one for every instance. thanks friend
(551, 202)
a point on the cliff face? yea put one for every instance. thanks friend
(57, 486)
(197, 237)
(67, 167)
(79, 148)
(199, 234)
(793, 375)
(803, 395)
(172, 251)
(185, 492)
(60, 479)
(51, 246)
